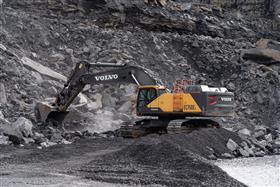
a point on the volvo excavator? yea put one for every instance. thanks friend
(185, 108)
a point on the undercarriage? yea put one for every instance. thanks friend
(151, 126)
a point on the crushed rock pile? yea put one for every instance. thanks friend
(157, 161)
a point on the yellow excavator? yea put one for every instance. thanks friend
(185, 108)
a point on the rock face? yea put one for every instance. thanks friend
(170, 39)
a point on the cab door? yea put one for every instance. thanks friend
(145, 96)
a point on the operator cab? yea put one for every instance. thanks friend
(147, 94)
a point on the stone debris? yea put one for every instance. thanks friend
(232, 145)
(208, 43)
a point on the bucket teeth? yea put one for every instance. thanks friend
(45, 112)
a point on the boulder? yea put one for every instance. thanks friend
(108, 100)
(261, 144)
(126, 107)
(212, 157)
(97, 104)
(123, 117)
(268, 138)
(63, 141)
(8, 130)
(259, 134)
(267, 52)
(244, 133)
(243, 152)
(42, 69)
(276, 143)
(23, 126)
(232, 145)
(47, 144)
(56, 137)
(231, 86)
(18, 132)
(28, 140)
(227, 155)
(260, 128)
(260, 154)
(262, 56)
(250, 151)
(39, 138)
(276, 151)
(4, 140)
(69, 51)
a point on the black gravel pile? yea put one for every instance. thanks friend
(162, 161)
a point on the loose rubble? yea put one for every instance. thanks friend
(197, 41)
(221, 43)
(209, 43)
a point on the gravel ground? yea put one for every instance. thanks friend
(153, 160)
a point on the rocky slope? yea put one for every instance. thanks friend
(219, 43)
(209, 43)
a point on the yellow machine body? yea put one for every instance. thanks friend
(175, 102)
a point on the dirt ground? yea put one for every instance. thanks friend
(153, 160)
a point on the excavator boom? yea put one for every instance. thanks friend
(81, 76)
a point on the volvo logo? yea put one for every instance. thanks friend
(106, 77)
(228, 99)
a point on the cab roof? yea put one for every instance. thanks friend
(152, 86)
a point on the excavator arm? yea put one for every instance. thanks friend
(82, 76)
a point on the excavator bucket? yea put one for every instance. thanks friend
(45, 112)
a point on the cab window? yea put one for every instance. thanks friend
(193, 89)
(146, 95)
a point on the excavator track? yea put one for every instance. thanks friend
(175, 126)
(143, 127)
(152, 126)
(189, 125)
(132, 131)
